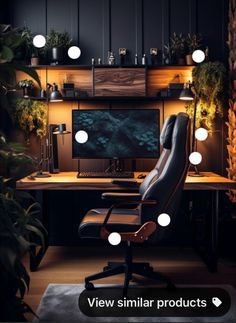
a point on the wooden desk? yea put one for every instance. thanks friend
(69, 181)
(209, 182)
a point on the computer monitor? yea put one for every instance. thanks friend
(116, 133)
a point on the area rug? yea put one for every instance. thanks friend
(60, 304)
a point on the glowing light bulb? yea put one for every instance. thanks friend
(163, 219)
(195, 158)
(39, 41)
(114, 238)
(198, 56)
(74, 52)
(201, 134)
(81, 136)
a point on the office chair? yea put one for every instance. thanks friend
(159, 193)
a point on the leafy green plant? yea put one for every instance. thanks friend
(14, 161)
(31, 116)
(20, 229)
(58, 39)
(193, 42)
(10, 41)
(178, 45)
(210, 82)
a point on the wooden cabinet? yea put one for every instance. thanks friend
(101, 83)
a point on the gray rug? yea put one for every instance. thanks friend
(60, 304)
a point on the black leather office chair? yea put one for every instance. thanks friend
(159, 193)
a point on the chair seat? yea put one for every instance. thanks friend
(122, 220)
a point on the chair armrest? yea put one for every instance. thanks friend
(139, 236)
(116, 197)
(119, 204)
(125, 182)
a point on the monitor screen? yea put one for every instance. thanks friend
(116, 133)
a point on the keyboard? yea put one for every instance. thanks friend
(105, 175)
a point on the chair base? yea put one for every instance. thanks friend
(129, 269)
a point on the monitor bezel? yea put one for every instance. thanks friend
(118, 158)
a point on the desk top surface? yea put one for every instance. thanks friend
(69, 181)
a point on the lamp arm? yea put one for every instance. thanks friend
(194, 122)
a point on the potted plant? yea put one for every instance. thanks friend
(19, 230)
(178, 48)
(31, 52)
(56, 44)
(193, 42)
(168, 54)
(31, 117)
(210, 81)
(10, 42)
(27, 86)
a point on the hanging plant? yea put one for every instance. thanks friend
(31, 116)
(210, 83)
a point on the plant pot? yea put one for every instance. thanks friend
(34, 61)
(189, 60)
(57, 55)
(181, 61)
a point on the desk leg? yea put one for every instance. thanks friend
(213, 230)
(37, 255)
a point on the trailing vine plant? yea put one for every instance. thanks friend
(231, 123)
(210, 83)
(31, 117)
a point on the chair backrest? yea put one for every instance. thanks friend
(165, 141)
(166, 188)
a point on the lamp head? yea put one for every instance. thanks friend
(186, 94)
(60, 129)
(55, 96)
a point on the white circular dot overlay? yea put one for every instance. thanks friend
(39, 41)
(201, 134)
(114, 238)
(163, 219)
(198, 56)
(74, 52)
(195, 158)
(81, 136)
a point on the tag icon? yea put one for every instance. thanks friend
(216, 301)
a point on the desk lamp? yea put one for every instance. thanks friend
(55, 95)
(53, 131)
(200, 134)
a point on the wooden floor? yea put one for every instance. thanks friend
(69, 265)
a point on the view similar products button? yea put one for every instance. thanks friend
(150, 302)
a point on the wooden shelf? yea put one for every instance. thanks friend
(168, 67)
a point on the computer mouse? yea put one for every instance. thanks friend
(31, 177)
(140, 176)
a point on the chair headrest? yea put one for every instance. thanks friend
(166, 132)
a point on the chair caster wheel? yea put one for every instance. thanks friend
(89, 286)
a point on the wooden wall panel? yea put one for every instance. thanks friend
(123, 27)
(120, 82)
(29, 13)
(63, 16)
(158, 79)
(155, 29)
(91, 30)
(81, 78)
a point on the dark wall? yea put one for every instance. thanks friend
(138, 25)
